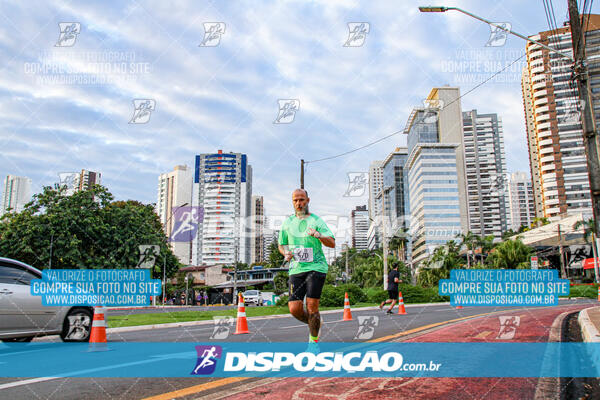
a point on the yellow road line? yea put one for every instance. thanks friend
(196, 389)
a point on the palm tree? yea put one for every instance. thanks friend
(510, 254)
(468, 239)
(486, 243)
(539, 221)
(589, 229)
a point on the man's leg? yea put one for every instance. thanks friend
(297, 310)
(393, 304)
(314, 318)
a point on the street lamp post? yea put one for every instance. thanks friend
(590, 136)
(186, 290)
(164, 291)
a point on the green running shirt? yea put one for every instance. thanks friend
(307, 250)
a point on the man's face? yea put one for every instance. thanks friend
(299, 200)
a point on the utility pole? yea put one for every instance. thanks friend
(590, 136)
(347, 251)
(301, 174)
(385, 243)
(563, 271)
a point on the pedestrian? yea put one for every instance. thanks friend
(205, 297)
(301, 241)
(392, 288)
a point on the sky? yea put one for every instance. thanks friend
(67, 101)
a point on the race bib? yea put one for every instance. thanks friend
(303, 254)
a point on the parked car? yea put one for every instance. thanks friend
(253, 297)
(23, 317)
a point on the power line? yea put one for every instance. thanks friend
(397, 132)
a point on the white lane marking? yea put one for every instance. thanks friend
(25, 382)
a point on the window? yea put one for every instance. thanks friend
(15, 275)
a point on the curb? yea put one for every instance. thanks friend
(210, 321)
(588, 329)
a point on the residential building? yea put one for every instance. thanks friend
(360, 227)
(174, 192)
(76, 181)
(485, 165)
(553, 120)
(257, 247)
(436, 172)
(374, 236)
(521, 207)
(17, 193)
(270, 237)
(223, 187)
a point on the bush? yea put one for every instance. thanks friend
(333, 296)
(590, 291)
(376, 295)
(282, 301)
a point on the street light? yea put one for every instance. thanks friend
(186, 290)
(590, 136)
(165, 258)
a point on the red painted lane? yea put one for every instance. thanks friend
(534, 326)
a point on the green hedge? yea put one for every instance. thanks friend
(282, 301)
(333, 296)
(584, 291)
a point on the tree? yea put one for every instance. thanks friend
(486, 244)
(275, 257)
(589, 229)
(438, 266)
(508, 234)
(87, 229)
(280, 281)
(468, 240)
(510, 254)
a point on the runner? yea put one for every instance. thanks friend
(301, 238)
(393, 280)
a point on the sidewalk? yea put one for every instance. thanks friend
(589, 320)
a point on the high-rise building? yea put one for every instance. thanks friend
(360, 227)
(17, 193)
(257, 247)
(395, 181)
(223, 187)
(436, 172)
(374, 236)
(174, 191)
(270, 237)
(485, 164)
(76, 181)
(553, 120)
(521, 207)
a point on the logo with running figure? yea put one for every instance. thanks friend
(142, 108)
(508, 327)
(212, 34)
(68, 34)
(357, 34)
(148, 253)
(207, 359)
(287, 111)
(186, 223)
(357, 184)
(498, 34)
(366, 327)
(222, 327)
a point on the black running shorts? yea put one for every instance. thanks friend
(309, 284)
(393, 294)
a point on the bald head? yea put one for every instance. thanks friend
(300, 201)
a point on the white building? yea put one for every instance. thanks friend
(360, 227)
(374, 238)
(17, 193)
(175, 191)
(76, 181)
(485, 164)
(521, 207)
(223, 187)
(257, 246)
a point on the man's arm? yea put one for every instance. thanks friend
(326, 240)
(285, 252)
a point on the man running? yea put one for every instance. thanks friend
(393, 280)
(300, 240)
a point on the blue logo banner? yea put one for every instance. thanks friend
(300, 360)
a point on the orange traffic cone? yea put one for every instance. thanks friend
(401, 309)
(241, 322)
(98, 334)
(347, 312)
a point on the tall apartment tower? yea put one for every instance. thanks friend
(174, 191)
(485, 164)
(257, 246)
(87, 179)
(17, 193)
(436, 172)
(553, 115)
(223, 187)
(374, 208)
(395, 181)
(360, 227)
(521, 207)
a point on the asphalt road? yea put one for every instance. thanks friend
(263, 329)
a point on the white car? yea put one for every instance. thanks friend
(23, 317)
(253, 297)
